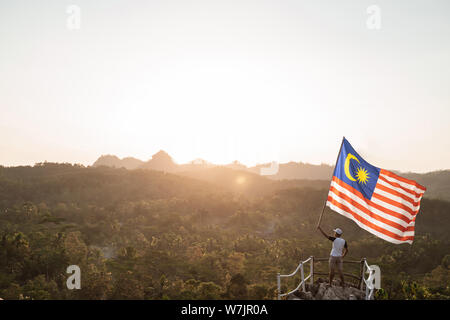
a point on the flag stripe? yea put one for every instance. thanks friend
(368, 224)
(375, 216)
(395, 198)
(374, 222)
(408, 239)
(386, 206)
(392, 202)
(364, 212)
(394, 217)
(398, 219)
(396, 213)
(409, 184)
(398, 194)
(393, 185)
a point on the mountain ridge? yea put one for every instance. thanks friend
(236, 175)
(162, 161)
(291, 170)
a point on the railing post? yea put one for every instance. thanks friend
(369, 284)
(278, 287)
(311, 269)
(367, 293)
(362, 271)
(302, 274)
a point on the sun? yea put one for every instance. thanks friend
(240, 180)
(362, 175)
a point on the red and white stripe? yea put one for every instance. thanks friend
(390, 214)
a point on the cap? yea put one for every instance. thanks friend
(338, 231)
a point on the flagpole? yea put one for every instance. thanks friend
(325, 204)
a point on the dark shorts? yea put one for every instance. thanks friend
(336, 264)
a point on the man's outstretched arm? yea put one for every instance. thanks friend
(324, 234)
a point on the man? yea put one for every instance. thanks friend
(338, 252)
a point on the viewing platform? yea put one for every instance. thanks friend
(358, 288)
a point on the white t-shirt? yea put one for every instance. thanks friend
(338, 246)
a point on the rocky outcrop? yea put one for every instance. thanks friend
(161, 161)
(115, 162)
(321, 290)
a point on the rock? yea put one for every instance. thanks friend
(323, 291)
(360, 295)
(321, 280)
(305, 295)
(331, 293)
(314, 290)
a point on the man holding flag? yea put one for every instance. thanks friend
(377, 200)
(337, 254)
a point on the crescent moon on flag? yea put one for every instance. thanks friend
(347, 165)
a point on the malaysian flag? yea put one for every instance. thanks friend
(377, 200)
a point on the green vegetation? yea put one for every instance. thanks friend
(146, 234)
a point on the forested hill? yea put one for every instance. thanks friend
(74, 183)
(292, 173)
(437, 183)
(146, 234)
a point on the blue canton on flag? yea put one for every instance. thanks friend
(355, 171)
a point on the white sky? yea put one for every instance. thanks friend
(222, 80)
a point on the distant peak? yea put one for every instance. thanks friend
(114, 161)
(161, 154)
(109, 156)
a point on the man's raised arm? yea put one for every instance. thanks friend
(324, 234)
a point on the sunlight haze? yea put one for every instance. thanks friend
(253, 81)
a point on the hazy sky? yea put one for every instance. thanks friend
(250, 80)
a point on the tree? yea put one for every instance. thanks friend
(237, 287)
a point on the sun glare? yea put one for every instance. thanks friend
(240, 180)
